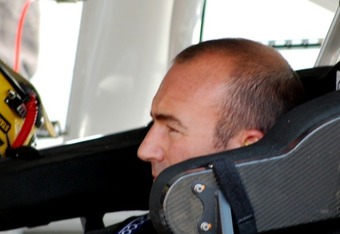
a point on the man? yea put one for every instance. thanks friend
(218, 95)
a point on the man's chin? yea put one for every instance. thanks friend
(154, 175)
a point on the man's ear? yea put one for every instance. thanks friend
(245, 138)
(252, 136)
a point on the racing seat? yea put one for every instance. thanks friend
(287, 182)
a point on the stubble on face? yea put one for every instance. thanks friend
(189, 94)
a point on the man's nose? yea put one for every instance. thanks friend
(151, 148)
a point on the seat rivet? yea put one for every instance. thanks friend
(205, 226)
(198, 188)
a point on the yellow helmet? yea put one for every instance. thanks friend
(21, 111)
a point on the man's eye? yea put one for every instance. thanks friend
(172, 130)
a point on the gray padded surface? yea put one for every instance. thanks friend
(299, 187)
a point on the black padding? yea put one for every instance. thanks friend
(318, 81)
(85, 179)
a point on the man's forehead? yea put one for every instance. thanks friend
(194, 74)
(177, 98)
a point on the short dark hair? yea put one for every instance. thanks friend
(260, 85)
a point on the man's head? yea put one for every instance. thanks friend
(218, 95)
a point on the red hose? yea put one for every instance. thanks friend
(31, 116)
(19, 35)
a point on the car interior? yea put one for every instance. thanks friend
(288, 182)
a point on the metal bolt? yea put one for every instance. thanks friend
(11, 94)
(198, 188)
(205, 226)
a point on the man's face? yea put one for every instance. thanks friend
(185, 113)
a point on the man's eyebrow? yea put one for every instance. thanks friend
(168, 118)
